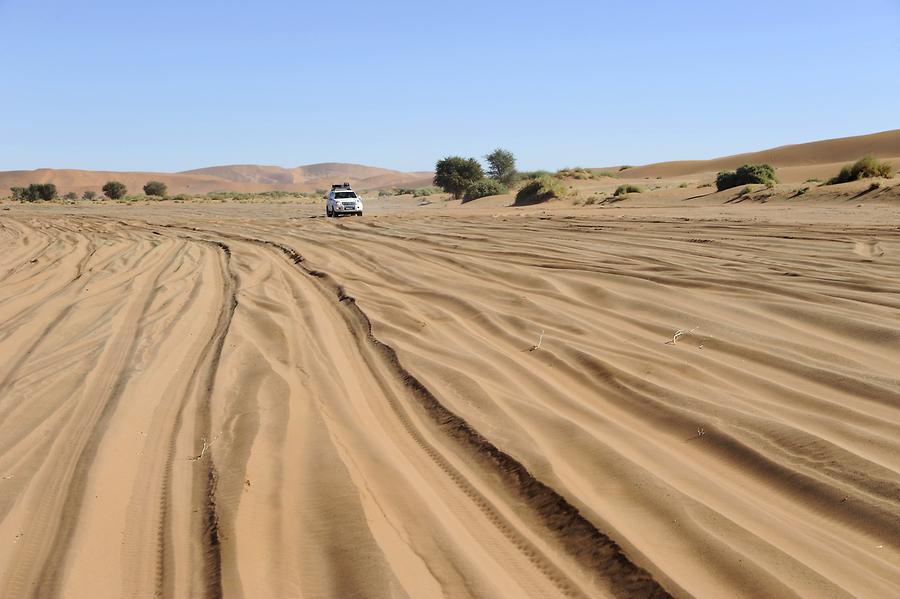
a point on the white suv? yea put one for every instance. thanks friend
(343, 200)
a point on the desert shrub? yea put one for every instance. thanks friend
(813, 180)
(625, 167)
(501, 166)
(532, 175)
(385, 192)
(454, 174)
(155, 188)
(425, 191)
(114, 190)
(221, 196)
(746, 174)
(683, 185)
(747, 190)
(183, 197)
(605, 174)
(71, 196)
(34, 192)
(275, 194)
(89, 195)
(574, 173)
(416, 192)
(867, 166)
(542, 189)
(627, 188)
(43, 191)
(483, 188)
(844, 176)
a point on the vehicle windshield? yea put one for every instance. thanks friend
(344, 195)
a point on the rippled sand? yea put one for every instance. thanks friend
(243, 401)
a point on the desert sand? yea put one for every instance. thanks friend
(254, 401)
(674, 393)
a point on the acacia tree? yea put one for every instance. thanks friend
(501, 165)
(155, 188)
(114, 190)
(34, 192)
(454, 174)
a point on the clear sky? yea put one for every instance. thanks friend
(173, 85)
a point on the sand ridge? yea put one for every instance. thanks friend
(813, 159)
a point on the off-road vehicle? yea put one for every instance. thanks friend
(343, 200)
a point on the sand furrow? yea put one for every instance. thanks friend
(464, 405)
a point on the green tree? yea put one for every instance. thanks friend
(71, 196)
(17, 193)
(501, 166)
(454, 174)
(89, 195)
(114, 190)
(35, 192)
(155, 188)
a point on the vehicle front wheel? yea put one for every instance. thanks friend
(359, 213)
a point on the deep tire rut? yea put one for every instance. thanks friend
(591, 548)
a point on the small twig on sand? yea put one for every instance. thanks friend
(538, 346)
(206, 445)
(700, 432)
(679, 334)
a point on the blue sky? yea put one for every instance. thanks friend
(170, 86)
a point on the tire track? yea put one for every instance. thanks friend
(204, 494)
(591, 548)
(49, 569)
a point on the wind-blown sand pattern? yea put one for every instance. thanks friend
(241, 401)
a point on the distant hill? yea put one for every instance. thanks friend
(238, 178)
(820, 159)
(817, 158)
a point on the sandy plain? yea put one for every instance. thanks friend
(677, 393)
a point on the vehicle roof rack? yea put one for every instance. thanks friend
(343, 185)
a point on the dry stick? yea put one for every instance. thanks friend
(206, 445)
(538, 346)
(679, 334)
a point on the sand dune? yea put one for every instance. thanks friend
(235, 178)
(313, 176)
(236, 400)
(828, 154)
(795, 163)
